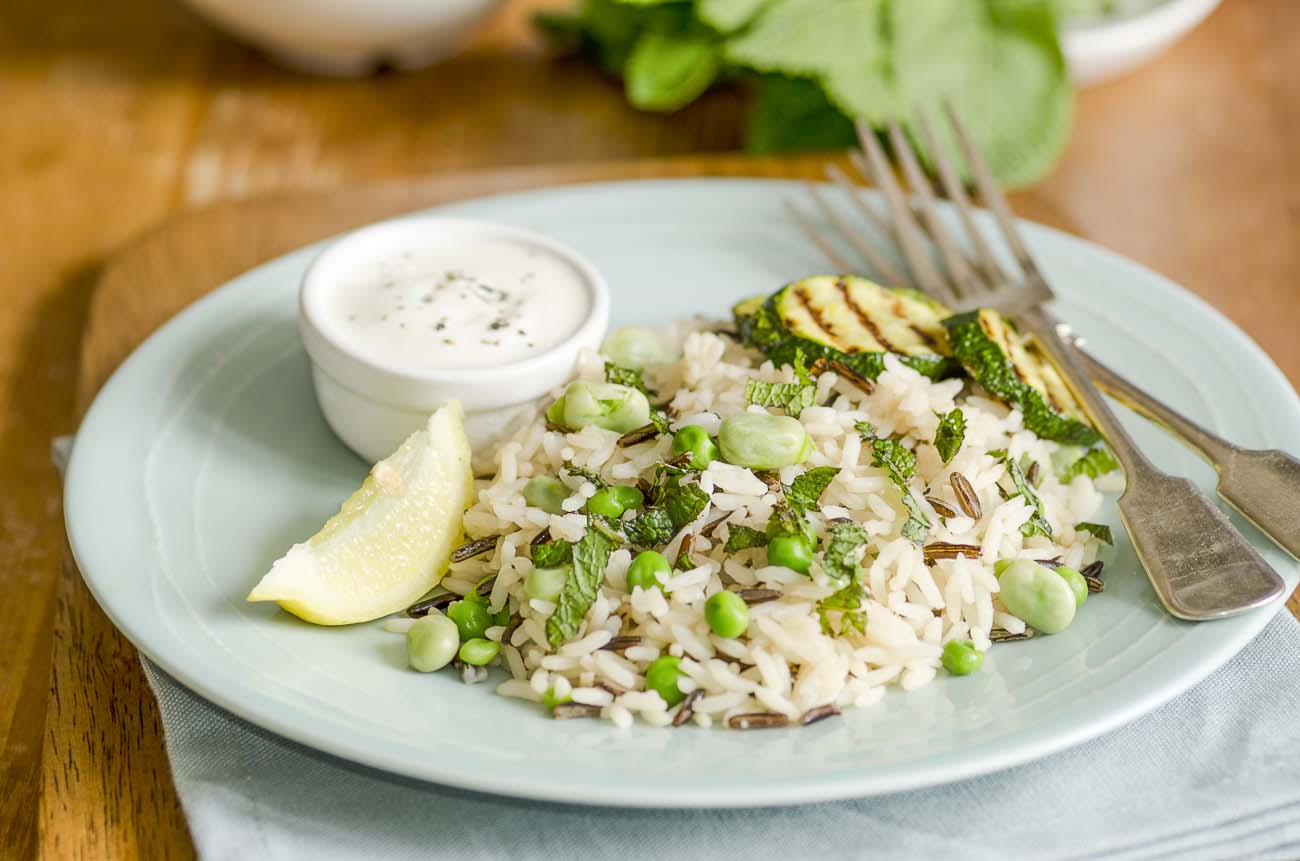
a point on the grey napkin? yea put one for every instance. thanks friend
(1214, 774)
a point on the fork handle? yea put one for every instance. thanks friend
(1263, 485)
(1200, 566)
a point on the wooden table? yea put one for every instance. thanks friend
(119, 115)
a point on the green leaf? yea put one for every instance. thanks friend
(785, 520)
(899, 463)
(840, 559)
(950, 434)
(1037, 523)
(590, 556)
(804, 492)
(584, 473)
(794, 398)
(742, 538)
(651, 528)
(998, 61)
(866, 430)
(684, 502)
(659, 418)
(552, 554)
(630, 377)
(848, 602)
(839, 43)
(1099, 531)
(791, 114)
(728, 15)
(1094, 464)
(668, 71)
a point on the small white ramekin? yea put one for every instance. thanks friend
(374, 404)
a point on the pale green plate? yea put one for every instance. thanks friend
(205, 457)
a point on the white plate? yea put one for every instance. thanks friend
(205, 456)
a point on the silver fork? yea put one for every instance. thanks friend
(1200, 566)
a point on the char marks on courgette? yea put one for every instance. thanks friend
(1012, 369)
(849, 319)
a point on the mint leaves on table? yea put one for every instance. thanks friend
(817, 64)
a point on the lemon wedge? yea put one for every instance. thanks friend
(392, 539)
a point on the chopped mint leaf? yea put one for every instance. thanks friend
(950, 434)
(1099, 531)
(1037, 523)
(590, 556)
(659, 418)
(630, 377)
(848, 602)
(840, 559)
(742, 538)
(1094, 464)
(651, 528)
(899, 463)
(866, 430)
(804, 492)
(587, 474)
(684, 502)
(785, 520)
(794, 398)
(552, 554)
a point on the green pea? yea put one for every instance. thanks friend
(695, 440)
(727, 614)
(471, 618)
(431, 643)
(961, 658)
(631, 498)
(661, 677)
(790, 551)
(602, 502)
(546, 584)
(1078, 585)
(479, 652)
(763, 441)
(648, 570)
(636, 347)
(1037, 595)
(550, 700)
(547, 493)
(502, 616)
(605, 405)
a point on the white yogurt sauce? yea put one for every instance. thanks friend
(477, 304)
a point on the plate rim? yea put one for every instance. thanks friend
(267, 714)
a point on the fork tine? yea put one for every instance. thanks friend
(992, 195)
(986, 265)
(854, 237)
(906, 230)
(836, 259)
(962, 279)
(841, 179)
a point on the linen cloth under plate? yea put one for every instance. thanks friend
(1213, 774)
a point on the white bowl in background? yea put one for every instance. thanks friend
(346, 38)
(373, 403)
(1108, 47)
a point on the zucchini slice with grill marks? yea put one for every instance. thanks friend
(851, 320)
(1012, 369)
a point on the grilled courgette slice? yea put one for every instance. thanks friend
(851, 320)
(1011, 368)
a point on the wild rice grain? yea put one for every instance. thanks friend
(687, 709)
(940, 507)
(569, 711)
(967, 499)
(757, 720)
(819, 713)
(474, 548)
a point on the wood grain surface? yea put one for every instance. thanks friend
(119, 115)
